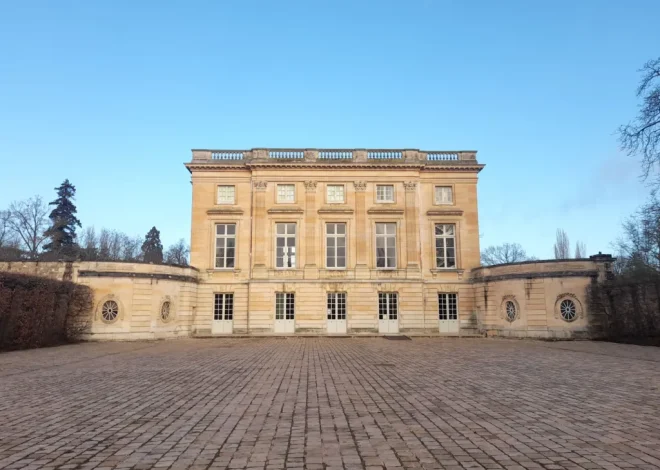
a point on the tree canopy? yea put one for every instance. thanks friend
(152, 248)
(62, 231)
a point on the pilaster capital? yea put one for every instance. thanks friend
(410, 185)
(360, 185)
(259, 185)
(310, 186)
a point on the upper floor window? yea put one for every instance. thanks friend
(444, 195)
(335, 245)
(285, 255)
(386, 245)
(335, 193)
(225, 245)
(445, 246)
(384, 193)
(286, 193)
(226, 194)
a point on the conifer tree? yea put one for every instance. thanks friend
(62, 232)
(152, 248)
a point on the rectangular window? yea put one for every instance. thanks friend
(285, 249)
(226, 194)
(384, 193)
(388, 305)
(386, 245)
(284, 306)
(286, 193)
(445, 246)
(224, 307)
(444, 195)
(336, 306)
(225, 246)
(335, 241)
(335, 193)
(447, 307)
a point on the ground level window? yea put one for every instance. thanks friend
(284, 306)
(567, 310)
(447, 307)
(336, 306)
(224, 307)
(388, 305)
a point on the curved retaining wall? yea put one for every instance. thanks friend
(139, 290)
(536, 290)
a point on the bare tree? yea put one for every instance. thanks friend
(131, 248)
(562, 245)
(580, 250)
(5, 230)
(639, 248)
(642, 136)
(505, 253)
(178, 253)
(29, 220)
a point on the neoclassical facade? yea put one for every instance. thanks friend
(323, 242)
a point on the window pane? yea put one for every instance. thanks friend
(341, 262)
(331, 242)
(231, 229)
(291, 229)
(391, 229)
(341, 251)
(330, 229)
(220, 229)
(380, 228)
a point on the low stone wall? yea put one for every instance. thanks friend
(138, 290)
(542, 299)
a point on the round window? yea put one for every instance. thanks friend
(567, 310)
(510, 308)
(110, 311)
(165, 311)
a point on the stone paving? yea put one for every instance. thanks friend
(331, 403)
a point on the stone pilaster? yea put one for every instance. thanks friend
(260, 271)
(311, 269)
(412, 222)
(361, 230)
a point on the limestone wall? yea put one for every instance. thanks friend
(537, 290)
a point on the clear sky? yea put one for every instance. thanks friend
(114, 94)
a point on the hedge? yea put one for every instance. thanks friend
(37, 311)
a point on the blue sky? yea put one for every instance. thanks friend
(113, 95)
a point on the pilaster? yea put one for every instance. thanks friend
(412, 219)
(362, 243)
(259, 271)
(311, 269)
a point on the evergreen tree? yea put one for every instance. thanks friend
(152, 248)
(62, 232)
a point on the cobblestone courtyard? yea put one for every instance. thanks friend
(331, 403)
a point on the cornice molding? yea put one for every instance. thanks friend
(336, 210)
(454, 166)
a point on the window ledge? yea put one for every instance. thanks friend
(336, 209)
(385, 210)
(285, 210)
(225, 209)
(444, 212)
(223, 270)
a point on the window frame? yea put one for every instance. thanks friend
(447, 306)
(437, 237)
(223, 306)
(387, 295)
(385, 236)
(327, 193)
(286, 296)
(339, 306)
(277, 193)
(217, 194)
(225, 236)
(453, 194)
(335, 237)
(286, 236)
(392, 201)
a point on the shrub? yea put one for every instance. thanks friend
(37, 311)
